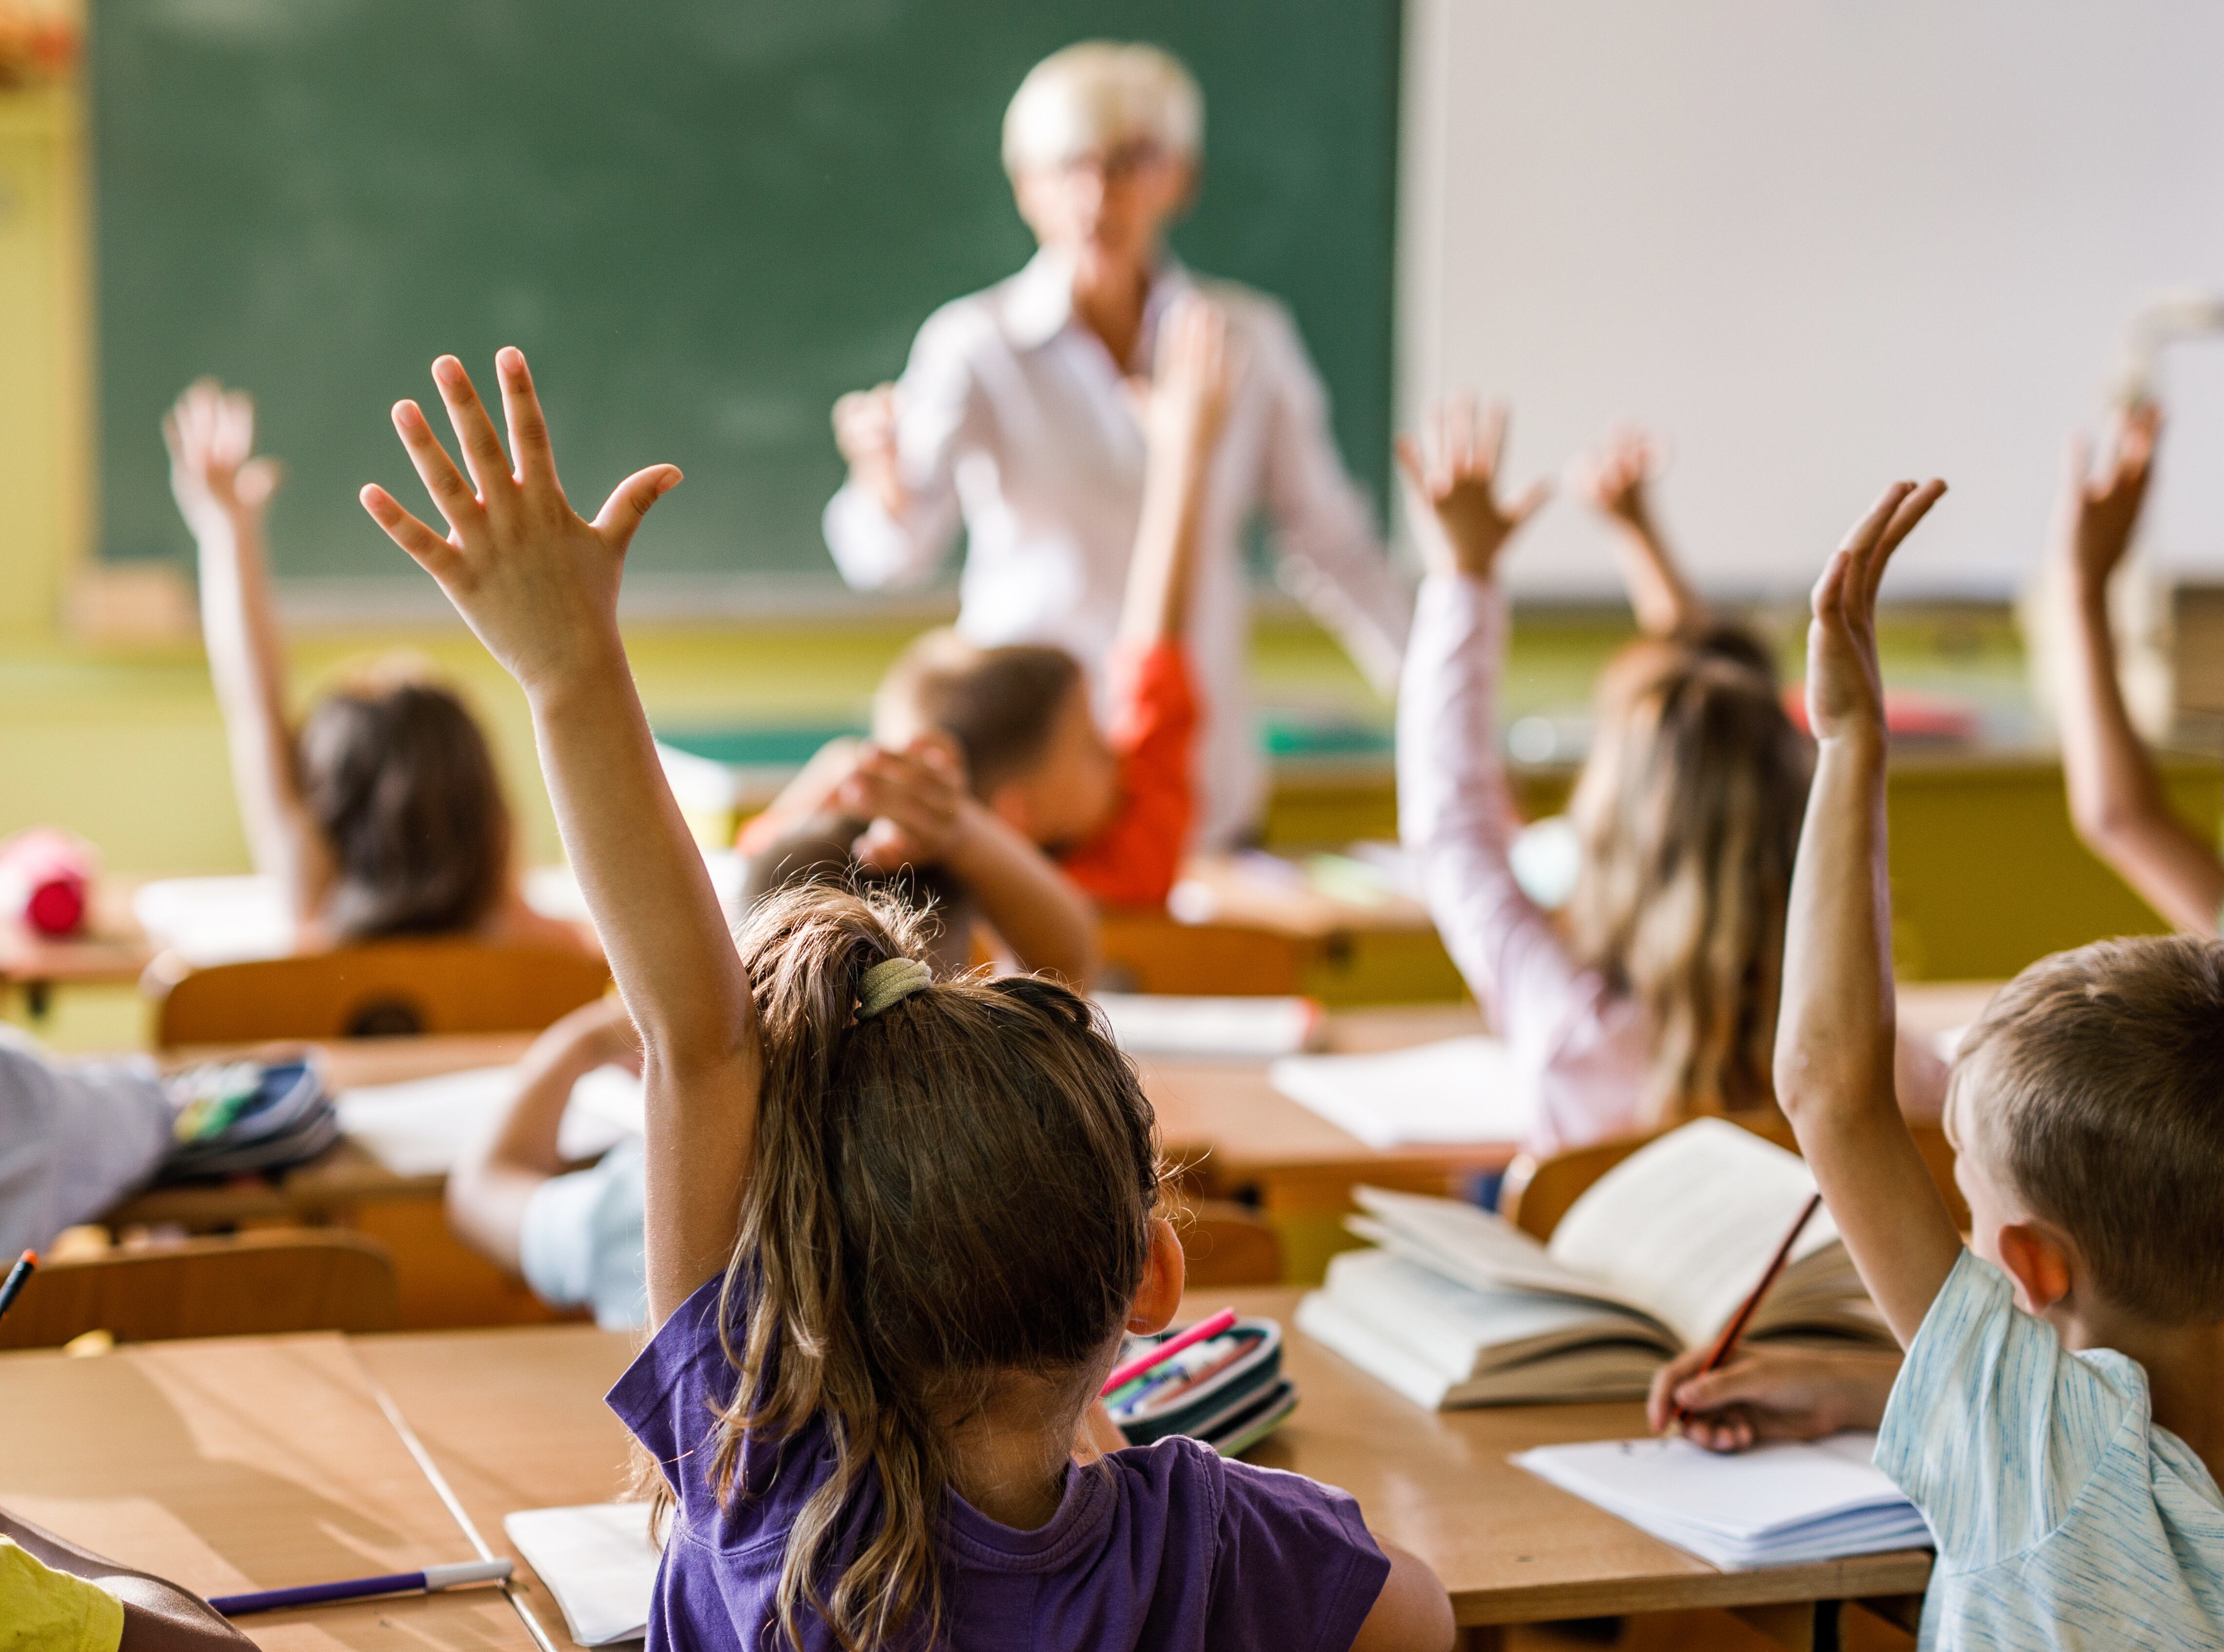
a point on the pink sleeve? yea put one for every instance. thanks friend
(1576, 1042)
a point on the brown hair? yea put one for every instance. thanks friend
(398, 777)
(1700, 782)
(952, 1195)
(1000, 704)
(2096, 1078)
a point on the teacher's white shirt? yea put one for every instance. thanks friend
(1013, 417)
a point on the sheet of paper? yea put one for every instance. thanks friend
(1456, 1091)
(1171, 1024)
(421, 1128)
(215, 920)
(599, 1563)
(1688, 1225)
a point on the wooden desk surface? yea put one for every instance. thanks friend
(514, 1419)
(244, 1463)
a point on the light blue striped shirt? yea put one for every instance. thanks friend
(2064, 1517)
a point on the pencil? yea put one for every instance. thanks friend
(16, 1276)
(393, 1583)
(1128, 1373)
(1743, 1316)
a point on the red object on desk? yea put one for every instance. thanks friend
(45, 877)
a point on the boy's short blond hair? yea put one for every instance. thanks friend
(1097, 95)
(2096, 1084)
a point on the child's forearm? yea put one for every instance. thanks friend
(1038, 911)
(1664, 604)
(491, 1185)
(247, 664)
(2116, 798)
(1166, 551)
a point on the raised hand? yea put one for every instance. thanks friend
(1772, 1394)
(1452, 488)
(865, 430)
(2099, 513)
(1187, 403)
(1845, 686)
(217, 482)
(536, 581)
(1612, 478)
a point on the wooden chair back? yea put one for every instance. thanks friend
(1537, 1192)
(1227, 1244)
(1148, 951)
(388, 987)
(245, 1284)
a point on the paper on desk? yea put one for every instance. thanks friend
(215, 920)
(1784, 1503)
(1456, 1091)
(598, 1560)
(422, 1127)
(1152, 1024)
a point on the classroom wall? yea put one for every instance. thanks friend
(1819, 246)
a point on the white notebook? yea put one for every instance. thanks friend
(1779, 1504)
(1154, 1023)
(422, 1127)
(1456, 1091)
(598, 1560)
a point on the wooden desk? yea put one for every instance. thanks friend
(515, 1420)
(244, 1463)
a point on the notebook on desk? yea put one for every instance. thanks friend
(1454, 1306)
(1781, 1504)
(599, 1560)
(1456, 1092)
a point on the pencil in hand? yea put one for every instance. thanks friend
(1743, 1316)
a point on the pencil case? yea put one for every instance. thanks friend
(1235, 1396)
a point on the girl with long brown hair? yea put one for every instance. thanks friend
(896, 1229)
(1656, 1000)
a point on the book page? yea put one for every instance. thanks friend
(1686, 1227)
(1477, 1249)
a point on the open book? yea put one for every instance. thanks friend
(1456, 1306)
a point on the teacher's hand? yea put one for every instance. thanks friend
(865, 430)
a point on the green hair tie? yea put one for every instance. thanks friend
(888, 983)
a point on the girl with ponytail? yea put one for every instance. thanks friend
(896, 1230)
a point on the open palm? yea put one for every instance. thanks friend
(1845, 685)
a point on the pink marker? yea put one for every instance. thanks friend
(1123, 1375)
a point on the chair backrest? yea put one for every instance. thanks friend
(1537, 1192)
(1227, 1244)
(244, 1284)
(388, 987)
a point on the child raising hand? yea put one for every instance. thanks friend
(896, 1229)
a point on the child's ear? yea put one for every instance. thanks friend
(2038, 1261)
(1158, 1299)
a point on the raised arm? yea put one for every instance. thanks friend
(224, 495)
(1834, 1031)
(1188, 408)
(538, 586)
(2116, 798)
(1613, 479)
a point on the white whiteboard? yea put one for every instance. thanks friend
(1817, 246)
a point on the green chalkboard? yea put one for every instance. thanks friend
(702, 219)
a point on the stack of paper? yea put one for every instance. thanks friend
(215, 919)
(1782, 1504)
(1244, 1029)
(1457, 1091)
(598, 1560)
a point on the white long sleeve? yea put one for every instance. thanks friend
(1580, 1047)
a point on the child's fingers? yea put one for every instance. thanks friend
(1911, 510)
(475, 433)
(1409, 466)
(451, 494)
(1488, 442)
(1525, 507)
(1861, 538)
(521, 411)
(436, 555)
(629, 501)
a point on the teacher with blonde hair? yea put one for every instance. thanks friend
(1020, 414)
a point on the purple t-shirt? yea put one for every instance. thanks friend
(1164, 1547)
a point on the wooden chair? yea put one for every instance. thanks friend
(1148, 951)
(1537, 1193)
(385, 988)
(244, 1285)
(1227, 1244)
